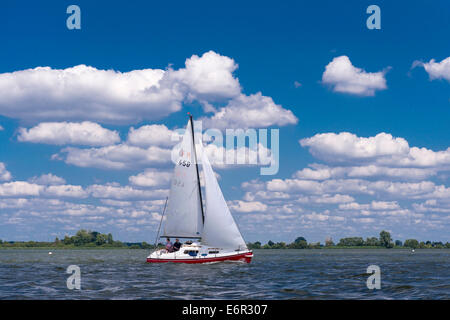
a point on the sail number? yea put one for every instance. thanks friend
(184, 163)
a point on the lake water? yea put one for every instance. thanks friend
(273, 274)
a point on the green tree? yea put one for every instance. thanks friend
(270, 243)
(297, 240)
(110, 238)
(255, 245)
(411, 243)
(385, 239)
(329, 242)
(398, 243)
(302, 244)
(101, 239)
(82, 237)
(438, 245)
(373, 241)
(145, 245)
(67, 240)
(350, 242)
(279, 245)
(314, 245)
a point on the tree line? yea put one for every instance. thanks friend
(384, 241)
(83, 238)
(93, 239)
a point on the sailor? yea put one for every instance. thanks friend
(169, 246)
(176, 245)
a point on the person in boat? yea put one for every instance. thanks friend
(169, 246)
(176, 245)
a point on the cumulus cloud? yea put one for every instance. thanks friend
(5, 175)
(229, 157)
(61, 133)
(108, 96)
(152, 135)
(343, 77)
(380, 151)
(66, 191)
(323, 172)
(247, 206)
(345, 145)
(374, 205)
(19, 189)
(209, 77)
(124, 192)
(436, 70)
(48, 179)
(251, 111)
(121, 156)
(151, 178)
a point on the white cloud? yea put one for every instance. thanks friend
(227, 157)
(86, 93)
(5, 175)
(347, 146)
(151, 178)
(406, 190)
(120, 156)
(66, 191)
(124, 192)
(345, 78)
(152, 135)
(436, 70)
(108, 96)
(48, 179)
(374, 205)
(61, 133)
(382, 150)
(322, 172)
(384, 205)
(247, 206)
(209, 77)
(337, 198)
(252, 111)
(19, 189)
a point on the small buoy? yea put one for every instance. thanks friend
(412, 250)
(50, 252)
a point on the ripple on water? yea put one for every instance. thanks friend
(273, 274)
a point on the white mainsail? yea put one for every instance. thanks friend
(219, 229)
(184, 211)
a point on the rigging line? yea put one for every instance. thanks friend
(159, 228)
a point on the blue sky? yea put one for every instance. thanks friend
(365, 121)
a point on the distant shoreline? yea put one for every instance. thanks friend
(135, 248)
(88, 240)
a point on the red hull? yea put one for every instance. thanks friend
(246, 257)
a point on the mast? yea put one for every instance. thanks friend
(196, 166)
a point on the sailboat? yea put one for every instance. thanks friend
(212, 228)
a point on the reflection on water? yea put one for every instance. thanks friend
(273, 274)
